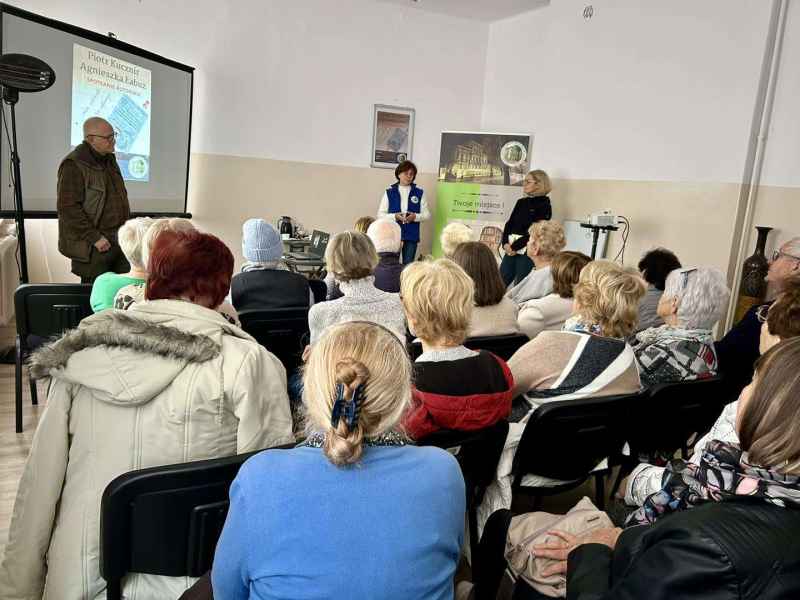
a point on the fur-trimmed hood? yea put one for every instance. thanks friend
(131, 357)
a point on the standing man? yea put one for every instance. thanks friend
(92, 204)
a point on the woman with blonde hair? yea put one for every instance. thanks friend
(734, 517)
(452, 236)
(362, 224)
(355, 512)
(588, 357)
(454, 387)
(493, 313)
(531, 208)
(351, 259)
(547, 238)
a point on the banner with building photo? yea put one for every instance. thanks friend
(480, 180)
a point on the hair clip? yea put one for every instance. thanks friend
(344, 409)
(685, 277)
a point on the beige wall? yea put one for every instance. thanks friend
(693, 219)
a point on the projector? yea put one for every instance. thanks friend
(604, 218)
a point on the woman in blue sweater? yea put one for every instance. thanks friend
(355, 512)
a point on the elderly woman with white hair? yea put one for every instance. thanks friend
(693, 301)
(385, 236)
(452, 235)
(106, 286)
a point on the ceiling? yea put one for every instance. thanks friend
(480, 10)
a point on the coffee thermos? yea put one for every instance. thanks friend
(285, 227)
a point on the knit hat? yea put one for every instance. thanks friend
(261, 242)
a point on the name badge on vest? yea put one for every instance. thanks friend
(414, 199)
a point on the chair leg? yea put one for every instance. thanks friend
(472, 516)
(34, 391)
(18, 386)
(600, 491)
(114, 590)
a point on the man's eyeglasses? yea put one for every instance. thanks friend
(777, 254)
(108, 137)
(762, 312)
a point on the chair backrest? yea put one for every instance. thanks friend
(281, 331)
(567, 439)
(503, 346)
(477, 452)
(49, 309)
(166, 520)
(319, 289)
(673, 412)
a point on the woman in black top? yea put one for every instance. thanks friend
(535, 206)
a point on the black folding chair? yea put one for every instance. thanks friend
(503, 346)
(281, 331)
(567, 440)
(44, 310)
(319, 289)
(478, 453)
(165, 520)
(672, 413)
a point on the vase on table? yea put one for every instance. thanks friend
(753, 288)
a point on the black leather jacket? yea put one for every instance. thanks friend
(740, 549)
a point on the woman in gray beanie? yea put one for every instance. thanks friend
(265, 282)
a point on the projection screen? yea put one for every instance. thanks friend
(146, 98)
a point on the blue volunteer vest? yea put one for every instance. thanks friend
(409, 231)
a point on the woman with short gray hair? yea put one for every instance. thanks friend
(130, 237)
(694, 299)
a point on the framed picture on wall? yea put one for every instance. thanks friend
(392, 135)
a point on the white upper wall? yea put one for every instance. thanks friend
(297, 80)
(641, 91)
(782, 155)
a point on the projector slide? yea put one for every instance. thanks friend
(118, 91)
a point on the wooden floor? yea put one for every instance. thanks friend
(14, 447)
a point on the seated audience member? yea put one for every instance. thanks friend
(452, 235)
(385, 236)
(167, 382)
(590, 356)
(355, 512)
(351, 259)
(654, 267)
(738, 350)
(546, 239)
(265, 282)
(781, 322)
(363, 223)
(493, 314)
(549, 313)
(333, 292)
(683, 349)
(454, 387)
(130, 294)
(107, 285)
(733, 518)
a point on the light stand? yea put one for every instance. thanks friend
(21, 73)
(596, 229)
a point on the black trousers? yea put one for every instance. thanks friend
(101, 262)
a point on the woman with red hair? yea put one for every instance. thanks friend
(168, 381)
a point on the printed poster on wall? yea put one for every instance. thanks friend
(480, 180)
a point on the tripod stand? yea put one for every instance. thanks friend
(11, 97)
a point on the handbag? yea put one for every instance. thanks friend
(529, 530)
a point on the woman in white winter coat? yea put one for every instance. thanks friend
(168, 381)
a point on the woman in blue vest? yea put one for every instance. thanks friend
(404, 202)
